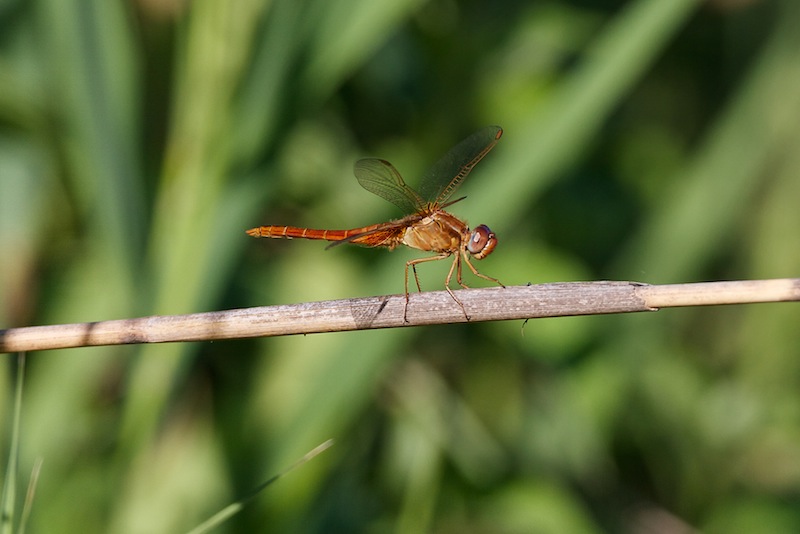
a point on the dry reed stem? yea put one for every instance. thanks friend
(436, 307)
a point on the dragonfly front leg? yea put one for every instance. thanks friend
(479, 274)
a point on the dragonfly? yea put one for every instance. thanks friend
(426, 225)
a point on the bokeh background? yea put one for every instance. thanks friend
(647, 140)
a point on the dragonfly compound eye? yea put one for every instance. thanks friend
(481, 242)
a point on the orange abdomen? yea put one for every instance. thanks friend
(290, 232)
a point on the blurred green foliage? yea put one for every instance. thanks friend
(649, 140)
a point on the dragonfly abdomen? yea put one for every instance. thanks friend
(290, 232)
(370, 236)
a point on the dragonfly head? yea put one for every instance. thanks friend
(481, 242)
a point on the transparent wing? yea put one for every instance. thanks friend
(447, 174)
(388, 234)
(380, 177)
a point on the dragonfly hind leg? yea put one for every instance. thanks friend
(413, 265)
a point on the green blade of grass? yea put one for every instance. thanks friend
(28, 506)
(232, 509)
(10, 486)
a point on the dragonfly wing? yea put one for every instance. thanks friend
(447, 174)
(382, 235)
(380, 177)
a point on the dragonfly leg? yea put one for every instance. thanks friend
(405, 307)
(416, 277)
(478, 274)
(457, 266)
(413, 265)
(458, 277)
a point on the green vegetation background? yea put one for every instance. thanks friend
(647, 140)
